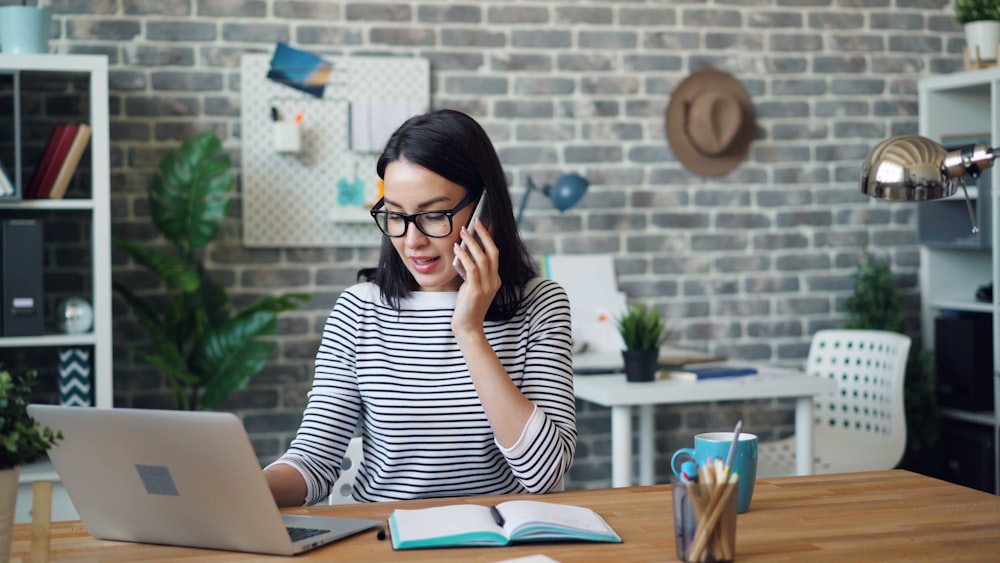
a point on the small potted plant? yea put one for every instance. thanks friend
(22, 441)
(981, 21)
(643, 330)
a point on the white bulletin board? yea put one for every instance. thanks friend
(319, 196)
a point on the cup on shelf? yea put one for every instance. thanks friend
(25, 29)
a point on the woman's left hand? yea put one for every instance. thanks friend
(482, 279)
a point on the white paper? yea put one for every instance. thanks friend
(536, 558)
(361, 135)
(595, 302)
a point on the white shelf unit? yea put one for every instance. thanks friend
(965, 104)
(93, 70)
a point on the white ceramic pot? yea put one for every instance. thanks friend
(985, 35)
(8, 500)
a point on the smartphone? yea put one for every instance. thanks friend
(483, 215)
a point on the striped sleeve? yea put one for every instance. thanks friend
(545, 451)
(334, 404)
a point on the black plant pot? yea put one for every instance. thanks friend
(640, 365)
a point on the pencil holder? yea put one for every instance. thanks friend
(705, 520)
(287, 136)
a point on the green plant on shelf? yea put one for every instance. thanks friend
(977, 10)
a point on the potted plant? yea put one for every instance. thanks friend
(206, 348)
(22, 441)
(877, 303)
(643, 330)
(981, 21)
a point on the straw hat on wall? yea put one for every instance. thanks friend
(709, 122)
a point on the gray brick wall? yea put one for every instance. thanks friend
(747, 265)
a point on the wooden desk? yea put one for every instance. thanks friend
(878, 516)
(622, 396)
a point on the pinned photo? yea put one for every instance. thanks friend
(299, 69)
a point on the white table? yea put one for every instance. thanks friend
(622, 396)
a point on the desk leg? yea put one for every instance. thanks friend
(646, 445)
(803, 436)
(621, 446)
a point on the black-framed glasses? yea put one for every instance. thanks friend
(435, 224)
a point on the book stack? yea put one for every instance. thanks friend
(62, 154)
(709, 371)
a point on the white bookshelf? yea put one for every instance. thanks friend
(965, 104)
(93, 70)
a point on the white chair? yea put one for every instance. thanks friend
(343, 487)
(861, 426)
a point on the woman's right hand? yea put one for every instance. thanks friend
(482, 280)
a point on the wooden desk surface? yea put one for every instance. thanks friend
(878, 516)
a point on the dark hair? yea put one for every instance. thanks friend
(453, 145)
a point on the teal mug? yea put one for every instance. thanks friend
(712, 445)
(25, 29)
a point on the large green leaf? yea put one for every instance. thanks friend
(168, 357)
(190, 195)
(230, 356)
(277, 303)
(174, 272)
(215, 302)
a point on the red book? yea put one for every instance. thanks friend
(65, 174)
(48, 168)
(32, 186)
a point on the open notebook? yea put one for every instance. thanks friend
(176, 478)
(512, 521)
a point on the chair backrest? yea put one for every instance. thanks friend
(343, 487)
(861, 426)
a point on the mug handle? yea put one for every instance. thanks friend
(678, 453)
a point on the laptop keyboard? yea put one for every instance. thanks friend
(302, 533)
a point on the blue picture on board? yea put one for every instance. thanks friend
(299, 69)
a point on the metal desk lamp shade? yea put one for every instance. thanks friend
(915, 168)
(564, 193)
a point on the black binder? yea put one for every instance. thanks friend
(21, 275)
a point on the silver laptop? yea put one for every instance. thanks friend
(176, 478)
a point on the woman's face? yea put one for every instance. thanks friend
(411, 188)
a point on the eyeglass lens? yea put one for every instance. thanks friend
(431, 223)
(435, 224)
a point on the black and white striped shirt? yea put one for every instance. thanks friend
(402, 376)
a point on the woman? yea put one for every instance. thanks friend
(460, 387)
